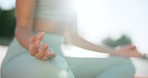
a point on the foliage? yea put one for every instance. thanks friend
(7, 23)
(123, 40)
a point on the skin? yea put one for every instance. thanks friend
(41, 50)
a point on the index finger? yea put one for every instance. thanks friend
(32, 39)
(40, 35)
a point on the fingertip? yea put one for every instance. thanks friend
(41, 35)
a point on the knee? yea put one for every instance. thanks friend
(120, 68)
(126, 64)
(130, 67)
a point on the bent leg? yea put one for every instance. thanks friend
(26, 66)
(124, 70)
(112, 67)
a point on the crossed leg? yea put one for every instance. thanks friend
(112, 67)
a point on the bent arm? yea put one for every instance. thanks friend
(24, 15)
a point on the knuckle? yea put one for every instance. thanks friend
(36, 42)
(45, 47)
(47, 54)
(44, 58)
(33, 51)
(32, 39)
(41, 53)
(35, 47)
(37, 56)
(32, 54)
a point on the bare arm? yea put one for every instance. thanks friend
(127, 51)
(76, 40)
(73, 38)
(24, 15)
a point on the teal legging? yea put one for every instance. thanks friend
(112, 67)
(19, 64)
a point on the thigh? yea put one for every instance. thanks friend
(92, 67)
(26, 66)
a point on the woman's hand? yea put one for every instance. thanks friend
(38, 50)
(129, 51)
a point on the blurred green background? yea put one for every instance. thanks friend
(111, 22)
(8, 22)
(7, 25)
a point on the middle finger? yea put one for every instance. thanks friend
(42, 51)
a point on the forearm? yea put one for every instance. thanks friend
(77, 41)
(23, 35)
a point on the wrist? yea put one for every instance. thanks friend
(114, 52)
(117, 52)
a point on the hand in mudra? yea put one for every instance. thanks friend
(38, 50)
(129, 51)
